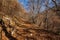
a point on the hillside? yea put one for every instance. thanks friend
(15, 23)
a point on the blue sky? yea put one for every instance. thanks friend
(24, 3)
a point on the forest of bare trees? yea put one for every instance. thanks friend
(18, 24)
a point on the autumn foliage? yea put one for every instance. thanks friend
(17, 24)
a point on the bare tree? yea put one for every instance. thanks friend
(34, 6)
